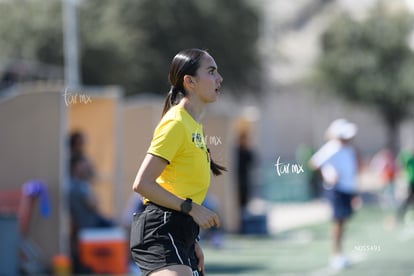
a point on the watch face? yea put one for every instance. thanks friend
(186, 206)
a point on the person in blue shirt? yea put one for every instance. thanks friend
(338, 164)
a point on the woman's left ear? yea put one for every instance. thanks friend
(188, 80)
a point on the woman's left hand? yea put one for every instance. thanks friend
(200, 256)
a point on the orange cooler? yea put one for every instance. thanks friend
(104, 250)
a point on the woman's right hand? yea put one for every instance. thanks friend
(204, 217)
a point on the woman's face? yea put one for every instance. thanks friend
(208, 80)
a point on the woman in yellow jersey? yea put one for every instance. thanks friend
(175, 174)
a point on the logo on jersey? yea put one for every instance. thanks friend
(198, 140)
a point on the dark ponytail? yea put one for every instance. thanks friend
(170, 100)
(216, 168)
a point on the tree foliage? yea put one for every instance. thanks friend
(131, 43)
(370, 62)
(31, 30)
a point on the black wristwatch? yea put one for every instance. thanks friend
(186, 206)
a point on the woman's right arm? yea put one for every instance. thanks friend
(145, 184)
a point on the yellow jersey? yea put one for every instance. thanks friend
(179, 139)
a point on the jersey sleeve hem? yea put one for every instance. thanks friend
(157, 154)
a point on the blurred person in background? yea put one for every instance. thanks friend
(77, 141)
(83, 204)
(338, 164)
(385, 165)
(245, 159)
(175, 174)
(407, 160)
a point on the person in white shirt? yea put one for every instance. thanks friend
(337, 162)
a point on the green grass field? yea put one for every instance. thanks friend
(373, 243)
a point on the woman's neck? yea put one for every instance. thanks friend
(195, 109)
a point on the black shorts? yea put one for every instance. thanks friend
(341, 204)
(162, 237)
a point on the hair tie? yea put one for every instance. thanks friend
(173, 92)
(174, 89)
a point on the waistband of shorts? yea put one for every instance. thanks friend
(152, 206)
